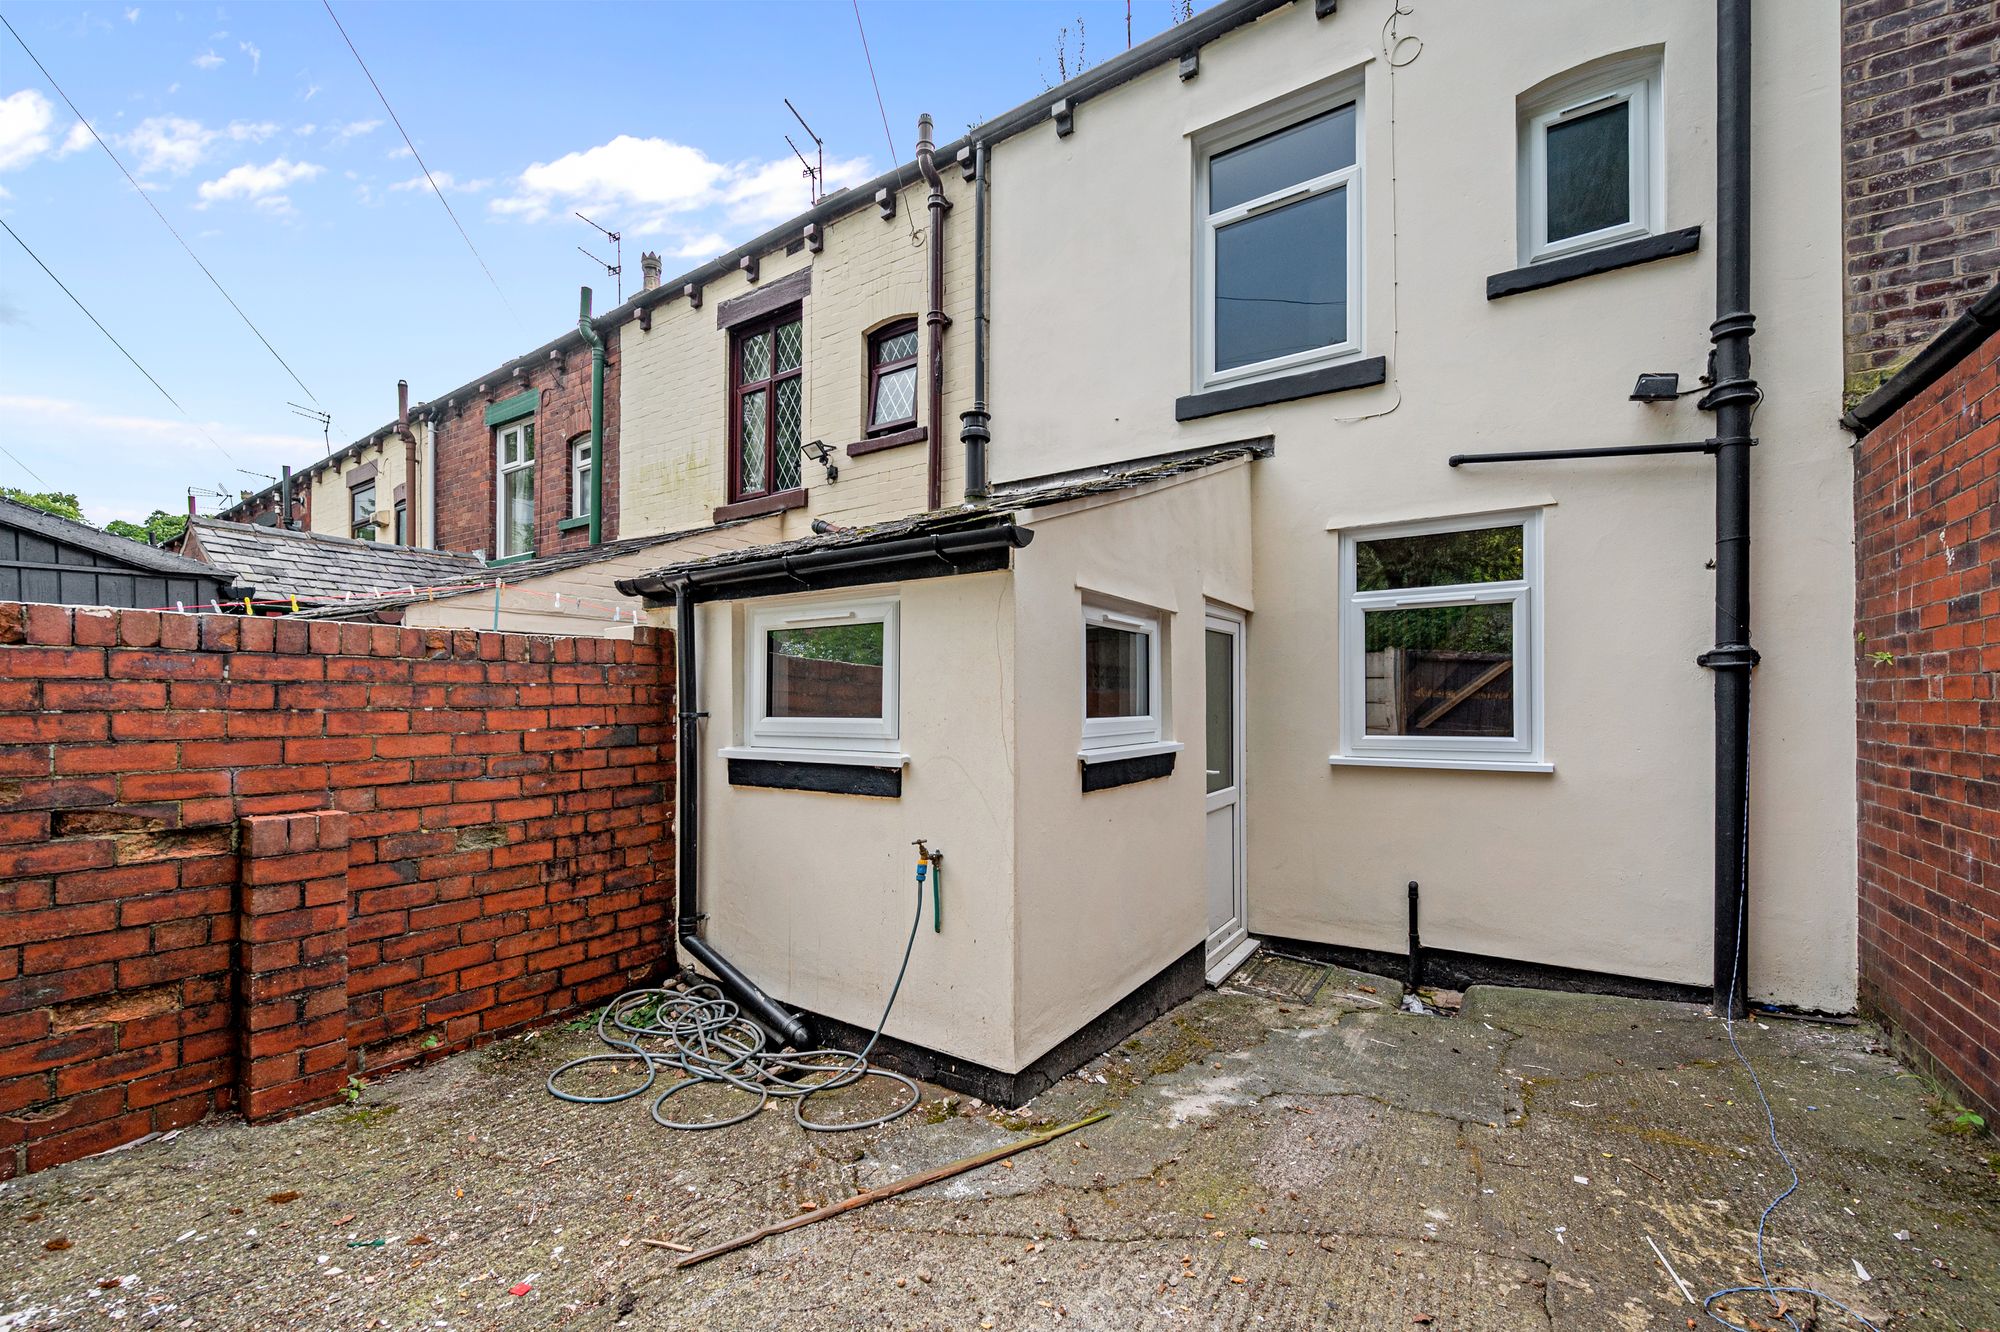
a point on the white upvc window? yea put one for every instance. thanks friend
(1591, 161)
(579, 478)
(822, 675)
(1123, 704)
(514, 489)
(1440, 644)
(1278, 240)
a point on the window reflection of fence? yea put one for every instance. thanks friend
(813, 687)
(1414, 691)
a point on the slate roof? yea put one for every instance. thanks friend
(134, 554)
(1006, 497)
(520, 571)
(313, 566)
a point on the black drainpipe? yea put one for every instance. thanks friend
(1734, 398)
(764, 1010)
(976, 426)
(934, 316)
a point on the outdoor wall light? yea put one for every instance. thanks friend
(821, 452)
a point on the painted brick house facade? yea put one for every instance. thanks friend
(1920, 88)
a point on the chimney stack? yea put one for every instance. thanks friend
(649, 266)
(403, 406)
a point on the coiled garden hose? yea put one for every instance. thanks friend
(706, 1038)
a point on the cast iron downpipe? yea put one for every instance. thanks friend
(589, 332)
(762, 1008)
(934, 317)
(1734, 398)
(976, 426)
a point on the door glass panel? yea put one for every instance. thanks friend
(1116, 674)
(1441, 670)
(831, 671)
(1221, 710)
(1590, 172)
(1281, 281)
(1302, 152)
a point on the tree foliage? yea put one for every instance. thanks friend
(1443, 559)
(57, 502)
(159, 528)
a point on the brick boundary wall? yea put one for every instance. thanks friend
(243, 859)
(1920, 136)
(1927, 492)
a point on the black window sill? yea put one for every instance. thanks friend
(1124, 772)
(895, 439)
(758, 506)
(1287, 388)
(831, 778)
(1592, 262)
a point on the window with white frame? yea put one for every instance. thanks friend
(1590, 161)
(1278, 268)
(1440, 643)
(822, 675)
(514, 522)
(579, 477)
(1121, 679)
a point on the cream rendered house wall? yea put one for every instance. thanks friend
(673, 427)
(330, 496)
(813, 894)
(1604, 864)
(1112, 884)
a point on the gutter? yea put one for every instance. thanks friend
(1938, 358)
(704, 584)
(589, 335)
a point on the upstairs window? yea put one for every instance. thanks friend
(361, 512)
(822, 676)
(1121, 679)
(1279, 266)
(767, 405)
(1589, 161)
(402, 523)
(1439, 643)
(892, 377)
(579, 477)
(514, 449)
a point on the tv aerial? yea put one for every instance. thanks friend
(816, 174)
(612, 270)
(325, 420)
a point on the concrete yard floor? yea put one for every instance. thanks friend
(1269, 1164)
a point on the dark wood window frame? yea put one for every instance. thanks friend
(742, 489)
(878, 368)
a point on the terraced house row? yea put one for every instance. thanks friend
(1281, 484)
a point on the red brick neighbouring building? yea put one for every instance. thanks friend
(1927, 515)
(242, 859)
(466, 462)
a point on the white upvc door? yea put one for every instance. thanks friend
(1229, 942)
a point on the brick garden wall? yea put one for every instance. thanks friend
(241, 859)
(1920, 103)
(465, 513)
(1927, 492)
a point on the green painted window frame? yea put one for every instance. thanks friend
(514, 408)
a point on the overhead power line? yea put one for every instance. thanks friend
(114, 342)
(85, 121)
(894, 160)
(463, 234)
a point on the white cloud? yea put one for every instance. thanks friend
(247, 131)
(132, 14)
(702, 247)
(312, 91)
(354, 129)
(657, 186)
(169, 143)
(447, 182)
(208, 60)
(256, 56)
(305, 130)
(398, 153)
(264, 185)
(25, 117)
(78, 139)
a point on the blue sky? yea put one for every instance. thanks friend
(259, 137)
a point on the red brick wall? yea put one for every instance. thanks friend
(1921, 138)
(1927, 490)
(465, 516)
(242, 858)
